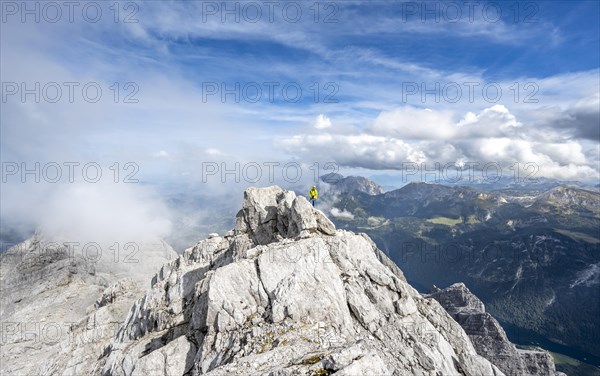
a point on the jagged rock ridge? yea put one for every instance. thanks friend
(286, 293)
(531, 256)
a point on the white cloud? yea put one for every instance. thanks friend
(173, 119)
(345, 214)
(213, 151)
(495, 119)
(409, 122)
(358, 150)
(103, 212)
(570, 152)
(322, 122)
(415, 135)
(561, 160)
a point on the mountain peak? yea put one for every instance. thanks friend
(568, 197)
(271, 214)
(285, 293)
(352, 184)
(49, 286)
(332, 178)
(457, 297)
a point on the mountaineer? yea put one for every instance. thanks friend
(313, 194)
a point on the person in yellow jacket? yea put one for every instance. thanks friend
(313, 194)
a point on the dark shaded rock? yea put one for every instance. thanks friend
(487, 335)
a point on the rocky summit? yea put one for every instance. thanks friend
(286, 293)
(283, 293)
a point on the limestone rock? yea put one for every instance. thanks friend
(487, 335)
(269, 214)
(288, 294)
(59, 309)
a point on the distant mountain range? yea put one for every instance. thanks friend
(532, 254)
(492, 183)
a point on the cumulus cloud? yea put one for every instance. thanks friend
(173, 129)
(416, 135)
(344, 214)
(165, 135)
(564, 153)
(359, 150)
(412, 123)
(494, 120)
(322, 122)
(415, 123)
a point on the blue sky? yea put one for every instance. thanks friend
(368, 60)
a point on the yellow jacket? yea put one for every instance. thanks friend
(313, 193)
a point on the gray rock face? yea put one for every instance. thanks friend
(58, 309)
(538, 363)
(270, 214)
(285, 293)
(487, 335)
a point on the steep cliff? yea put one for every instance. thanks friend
(487, 335)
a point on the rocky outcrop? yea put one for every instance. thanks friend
(487, 335)
(88, 337)
(286, 293)
(59, 308)
(271, 214)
